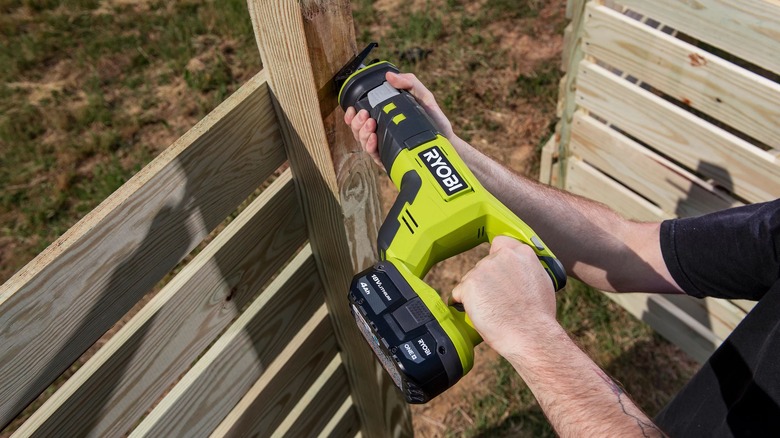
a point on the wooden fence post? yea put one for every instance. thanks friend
(567, 104)
(303, 43)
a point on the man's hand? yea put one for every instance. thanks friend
(509, 297)
(511, 303)
(364, 127)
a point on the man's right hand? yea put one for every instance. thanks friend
(509, 298)
(364, 127)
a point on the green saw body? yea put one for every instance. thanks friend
(441, 210)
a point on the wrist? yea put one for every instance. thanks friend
(459, 144)
(523, 345)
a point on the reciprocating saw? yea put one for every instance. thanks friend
(441, 210)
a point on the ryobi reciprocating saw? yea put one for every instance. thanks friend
(441, 210)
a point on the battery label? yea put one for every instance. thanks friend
(410, 352)
(373, 341)
(379, 291)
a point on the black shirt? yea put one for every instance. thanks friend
(730, 254)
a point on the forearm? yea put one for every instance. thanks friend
(595, 244)
(577, 397)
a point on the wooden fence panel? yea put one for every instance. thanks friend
(318, 406)
(748, 28)
(732, 162)
(265, 406)
(108, 395)
(584, 180)
(72, 293)
(660, 127)
(731, 94)
(217, 382)
(670, 187)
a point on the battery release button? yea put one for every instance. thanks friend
(413, 314)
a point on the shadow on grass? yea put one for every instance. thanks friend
(652, 372)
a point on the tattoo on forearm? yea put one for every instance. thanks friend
(648, 428)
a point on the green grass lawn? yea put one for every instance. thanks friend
(90, 92)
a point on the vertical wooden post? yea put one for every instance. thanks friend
(303, 43)
(567, 104)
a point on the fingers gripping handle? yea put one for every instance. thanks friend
(502, 222)
(549, 262)
(464, 323)
(555, 270)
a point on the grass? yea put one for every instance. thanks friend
(91, 92)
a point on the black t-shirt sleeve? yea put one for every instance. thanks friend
(733, 253)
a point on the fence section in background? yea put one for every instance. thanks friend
(670, 110)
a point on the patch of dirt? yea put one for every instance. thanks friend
(110, 6)
(437, 417)
(524, 52)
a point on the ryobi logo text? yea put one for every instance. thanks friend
(442, 170)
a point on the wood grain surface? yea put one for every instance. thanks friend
(749, 29)
(317, 407)
(583, 179)
(303, 45)
(220, 378)
(286, 380)
(113, 390)
(343, 423)
(733, 163)
(72, 293)
(731, 94)
(672, 188)
(567, 101)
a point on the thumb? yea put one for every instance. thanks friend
(408, 81)
(399, 80)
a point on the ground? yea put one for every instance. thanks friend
(92, 90)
